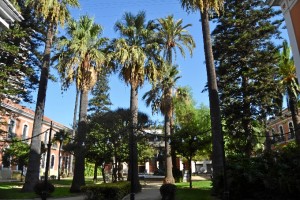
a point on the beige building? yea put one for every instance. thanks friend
(291, 13)
(17, 121)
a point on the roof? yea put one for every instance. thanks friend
(22, 110)
(274, 2)
(8, 14)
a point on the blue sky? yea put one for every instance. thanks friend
(60, 106)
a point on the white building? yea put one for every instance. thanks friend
(291, 13)
(8, 14)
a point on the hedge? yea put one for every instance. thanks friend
(107, 191)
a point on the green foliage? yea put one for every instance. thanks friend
(192, 133)
(18, 151)
(108, 191)
(168, 191)
(246, 61)
(272, 175)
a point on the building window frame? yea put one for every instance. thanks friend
(291, 130)
(52, 161)
(25, 131)
(281, 133)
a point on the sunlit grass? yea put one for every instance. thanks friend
(201, 190)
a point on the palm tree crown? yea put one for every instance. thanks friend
(174, 36)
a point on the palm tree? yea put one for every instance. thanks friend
(81, 57)
(205, 6)
(60, 137)
(54, 12)
(134, 55)
(174, 36)
(289, 82)
(161, 98)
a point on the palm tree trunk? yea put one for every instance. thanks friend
(32, 175)
(217, 137)
(74, 129)
(295, 115)
(169, 174)
(133, 158)
(78, 178)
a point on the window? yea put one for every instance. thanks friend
(274, 139)
(43, 160)
(52, 161)
(11, 129)
(46, 137)
(291, 130)
(25, 130)
(281, 133)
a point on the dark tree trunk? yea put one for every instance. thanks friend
(133, 157)
(103, 174)
(78, 178)
(246, 119)
(190, 172)
(217, 137)
(295, 115)
(95, 171)
(168, 159)
(32, 175)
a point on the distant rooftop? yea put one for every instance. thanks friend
(274, 2)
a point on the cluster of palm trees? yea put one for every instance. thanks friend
(144, 51)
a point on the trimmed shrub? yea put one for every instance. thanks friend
(167, 191)
(44, 190)
(107, 191)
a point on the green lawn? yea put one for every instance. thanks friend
(12, 190)
(201, 190)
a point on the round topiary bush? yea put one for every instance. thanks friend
(167, 191)
(43, 189)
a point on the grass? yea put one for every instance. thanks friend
(12, 190)
(201, 190)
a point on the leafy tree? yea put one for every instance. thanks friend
(192, 132)
(290, 85)
(245, 56)
(18, 152)
(205, 7)
(134, 56)
(52, 13)
(81, 58)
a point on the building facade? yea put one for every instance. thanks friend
(8, 14)
(291, 13)
(281, 129)
(17, 121)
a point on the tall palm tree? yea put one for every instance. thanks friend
(54, 12)
(205, 7)
(81, 57)
(289, 82)
(133, 54)
(174, 37)
(161, 98)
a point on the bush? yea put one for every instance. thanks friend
(107, 191)
(167, 191)
(274, 175)
(44, 190)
